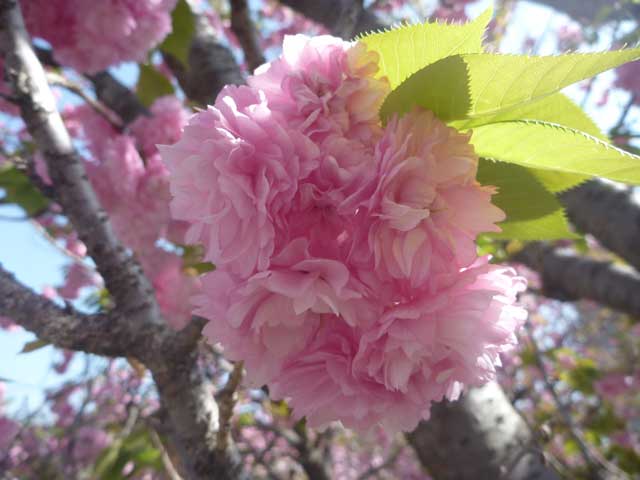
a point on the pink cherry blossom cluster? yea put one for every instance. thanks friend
(132, 184)
(92, 35)
(347, 276)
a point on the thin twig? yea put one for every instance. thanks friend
(99, 107)
(164, 455)
(226, 399)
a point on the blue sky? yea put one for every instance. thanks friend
(37, 263)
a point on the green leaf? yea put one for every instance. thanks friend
(406, 49)
(19, 190)
(34, 345)
(183, 25)
(549, 146)
(556, 108)
(475, 85)
(542, 219)
(152, 84)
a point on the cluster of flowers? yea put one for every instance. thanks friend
(76, 28)
(132, 184)
(347, 276)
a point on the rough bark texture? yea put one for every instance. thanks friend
(344, 18)
(609, 212)
(480, 436)
(63, 327)
(211, 66)
(568, 276)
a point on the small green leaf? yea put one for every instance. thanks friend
(203, 267)
(485, 84)
(19, 190)
(183, 25)
(542, 219)
(151, 85)
(549, 146)
(406, 49)
(34, 345)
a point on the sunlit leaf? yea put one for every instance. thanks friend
(406, 49)
(470, 86)
(177, 43)
(151, 85)
(548, 146)
(542, 219)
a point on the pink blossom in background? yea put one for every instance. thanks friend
(89, 442)
(614, 384)
(6, 323)
(628, 78)
(77, 277)
(569, 37)
(347, 276)
(164, 126)
(172, 286)
(125, 29)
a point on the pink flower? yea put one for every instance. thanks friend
(427, 205)
(124, 30)
(273, 314)
(614, 384)
(324, 85)
(173, 287)
(629, 79)
(78, 276)
(347, 276)
(235, 172)
(164, 126)
(417, 353)
(89, 442)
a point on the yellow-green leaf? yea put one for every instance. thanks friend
(178, 41)
(406, 49)
(548, 146)
(470, 86)
(533, 213)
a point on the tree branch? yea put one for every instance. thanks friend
(245, 32)
(484, 429)
(118, 97)
(62, 327)
(211, 66)
(567, 276)
(344, 18)
(608, 212)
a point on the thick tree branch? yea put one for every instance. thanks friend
(245, 32)
(211, 66)
(479, 436)
(608, 212)
(187, 396)
(62, 327)
(568, 276)
(344, 18)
